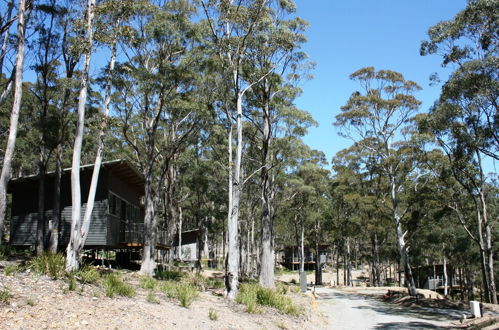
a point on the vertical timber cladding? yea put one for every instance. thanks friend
(126, 217)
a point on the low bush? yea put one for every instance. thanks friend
(52, 265)
(183, 291)
(248, 296)
(88, 275)
(213, 283)
(186, 294)
(6, 251)
(198, 281)
(11, 270)
(252, 295)
(148, 283)
(212, 314)
(114, 285)
(71, 281)
(169, 275)
(282, 288)
(151, 297)
(5, 296)
(169, 288)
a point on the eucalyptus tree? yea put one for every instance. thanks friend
(233, 27)
(43, 111)
(7, 20)
(157, 99)
(11, 141)
(358, 189)
(75, 241)
(464, 120)
(67, 86)
(378, 120)
(276, 57)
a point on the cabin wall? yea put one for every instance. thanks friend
(24, 211)
(115, 224)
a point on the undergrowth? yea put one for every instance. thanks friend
(114, 285)
(52, 265)
(253, 295)
(184, 292)
(5, 296)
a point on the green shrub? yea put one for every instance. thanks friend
(248, 296)
(5, 296)
(213, 283)
(186, 294)
(88, 275)
(198, 281)
(252, 295)
(282, 288)
(213, 315)
(151, 297)
(169, 288)
(6, 251)
(52, 265)
(148, 283)
(11, 270)
(113, 285)
(169, 275)
(71, 281)
(30, 302)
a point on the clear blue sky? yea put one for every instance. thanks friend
(346, 35)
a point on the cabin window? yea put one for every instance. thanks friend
(122, 209)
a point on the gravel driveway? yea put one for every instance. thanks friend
(347, 310)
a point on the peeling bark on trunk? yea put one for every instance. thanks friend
(14, 117)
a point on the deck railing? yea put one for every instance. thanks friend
(134, 233)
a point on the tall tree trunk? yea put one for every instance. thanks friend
(87, 217)
(56, 212)
(318, 266)
(180, 224)
(14, 117)
(40, 228)
(402, 246)
(73, 250)
(232, 281)
(148, 264)
(445, 277)
(267, 265)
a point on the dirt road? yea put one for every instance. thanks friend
(346, 310)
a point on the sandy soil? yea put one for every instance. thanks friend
(38, 302)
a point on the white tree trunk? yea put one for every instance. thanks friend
(73, 249)
(267, 263)
(180, 219)
(87, 217)
(232, 281)
(445, 278)
(14, 117)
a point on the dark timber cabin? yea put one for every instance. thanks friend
(117, 218)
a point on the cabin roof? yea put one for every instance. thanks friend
(119, 167)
